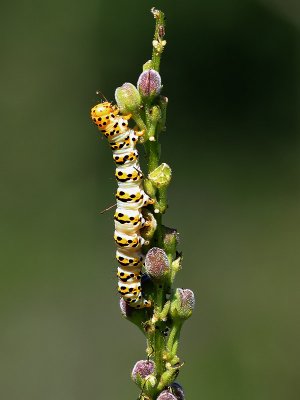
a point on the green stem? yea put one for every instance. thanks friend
(154, 121)
(139, 121)
(153, 154)
(158, 36)
(175, 331)
(158, 337)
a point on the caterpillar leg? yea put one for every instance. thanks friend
(136, 301)
(139, 133)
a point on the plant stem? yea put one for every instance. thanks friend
(153, 151)
(158, 35)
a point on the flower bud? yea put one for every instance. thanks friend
(149, 83)
(147, 65)
(176, 264)
(177, 391)
(182, 304)
(128, 99)
(156, 263)
(143, 368)
(161, 176)
(126, 311)
(143, 373)
(133, 315)
(166, 395)
(171, 239)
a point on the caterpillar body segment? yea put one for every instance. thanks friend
(130, 197)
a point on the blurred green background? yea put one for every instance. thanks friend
(231, 71)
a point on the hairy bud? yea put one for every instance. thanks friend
(171, 239)
(143, 368)
(177, 391)
(143, 374)
(156, 263)
(149, 83)
(126, 311)
(128, 98)
(161, 176)
(147, 65)
(166, 395)
(133, 315)
(182, 304)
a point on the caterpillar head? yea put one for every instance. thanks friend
(102, 109)
(102, 114)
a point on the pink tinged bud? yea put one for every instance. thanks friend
(182, 304)
(171, 234)
(149, 83)
(126, 311)
(142, 370)
(157, 264)
(177, 391)
(166, 395)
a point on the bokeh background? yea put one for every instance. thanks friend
(231, 72)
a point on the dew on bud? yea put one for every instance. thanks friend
(149, 83)
(156, 263)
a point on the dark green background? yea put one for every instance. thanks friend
(231, 72)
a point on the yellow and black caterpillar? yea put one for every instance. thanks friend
(130, 200)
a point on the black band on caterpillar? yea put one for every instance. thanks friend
(130, 200)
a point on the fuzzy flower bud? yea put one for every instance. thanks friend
(182, 304)
(143, 373)
(126, 311)
(161, 176)
(177, 391)
(171, 239)
(147, 65)
(128, 98)
(166, 395)
(157, 264)
(143, 368)
(131, 314)
(149, 83)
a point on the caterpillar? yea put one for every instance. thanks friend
(130, 198)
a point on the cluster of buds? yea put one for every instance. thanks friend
(129, 98)
(143, 374)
